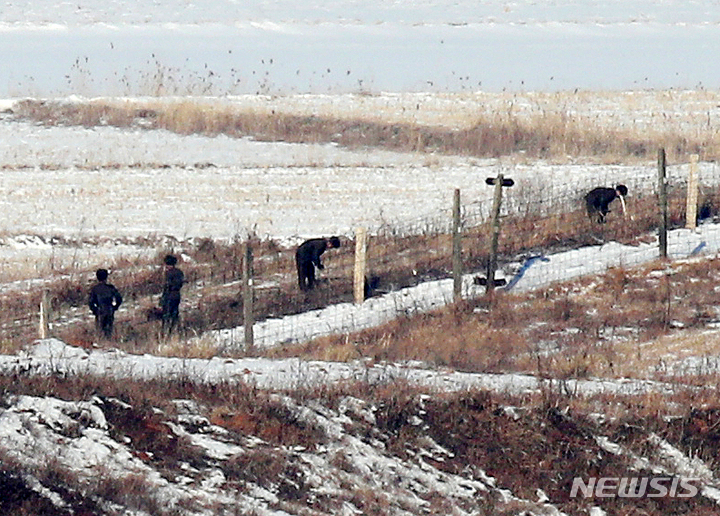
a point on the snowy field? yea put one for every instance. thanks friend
(110, 182)
(102, 182)
(53, 48)
(75, 198)
(97, 182)
(53, 356)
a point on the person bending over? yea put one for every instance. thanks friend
(307, 257)
(597, 201)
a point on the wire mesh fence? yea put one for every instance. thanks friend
(409, 262)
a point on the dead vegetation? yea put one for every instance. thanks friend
(569, 330)
(618, 324)
(538, 441)
(625, 323)
(397, 259)
(548, 132)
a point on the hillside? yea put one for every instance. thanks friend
(77, 443)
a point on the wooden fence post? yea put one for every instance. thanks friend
(692, 194)
(247, 294)
(360, 264)
(492, 263)
(44, 328)
(457, 248)
(662, 189)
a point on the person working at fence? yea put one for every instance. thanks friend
(170, 299)
(307, 257)
(597, 201)
(104, 301)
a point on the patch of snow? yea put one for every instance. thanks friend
(52, 356)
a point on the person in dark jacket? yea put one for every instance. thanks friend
(170, 299)
(307, 257)
(104, 301)
(597, 201)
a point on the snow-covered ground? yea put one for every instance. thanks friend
(107, 182)
(52, 356)
(120, 47)
(535, 272)
(49, 435)
(104, 187)
(110, 182)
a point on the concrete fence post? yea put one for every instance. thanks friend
(44, 328)
(692, 194)
(492, 262)
(457, 248)
(360, 265)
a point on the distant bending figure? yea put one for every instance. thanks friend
(597, 201)
(104, 301)
(307, 257)
(170, 299)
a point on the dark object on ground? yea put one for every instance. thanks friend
(154, 313)
(706, 211)
(482, 280)
(371, 285)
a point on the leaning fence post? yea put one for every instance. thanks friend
(692, 194)
(456, 248)
(44, 328)
(360, 264)
(247, 293)
(492, 263)
(662, 189)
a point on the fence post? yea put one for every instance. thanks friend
(692, 194)
(457, 248)
(492, 263)
(360, 264)
(247, 294)
(662, 189)
(44, 328)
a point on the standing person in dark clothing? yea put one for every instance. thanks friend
(103, 302)
(170, 299)
(307, 257)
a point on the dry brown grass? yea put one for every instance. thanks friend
(212, 297)
(536, 440)
(506, 339)
(625, 323)
(547, 133)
